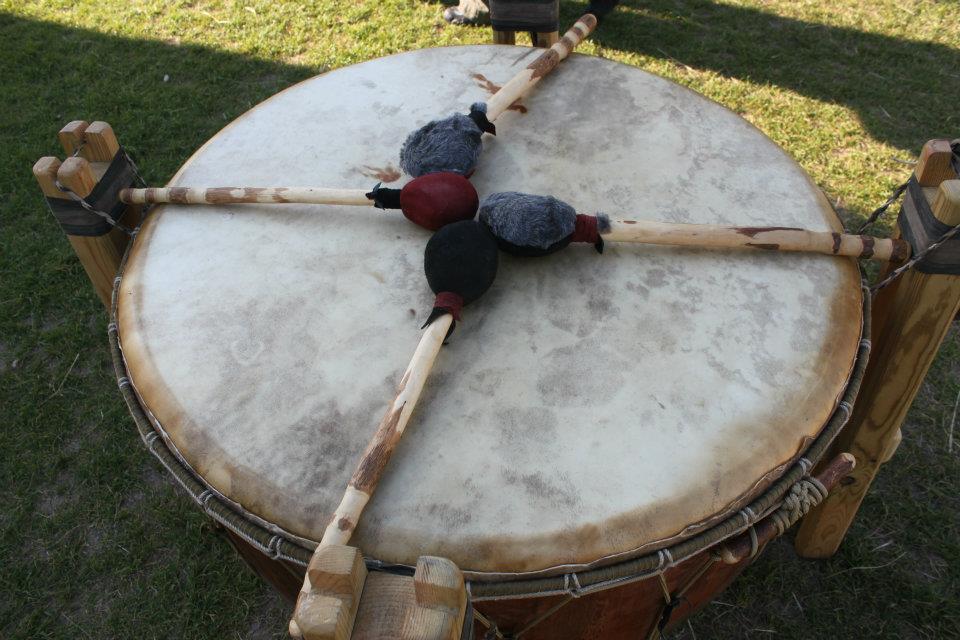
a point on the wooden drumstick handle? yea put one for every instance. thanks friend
(374, 460)
(520, 84)
(245, 195)
(332, 559)
(767, 238)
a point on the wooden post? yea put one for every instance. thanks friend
(327, 610)
(504, 37)
(100, 255)
(935, 164)
(911, 318)
(546, 39)
(71, 138)
(429, 606)
(345, 601)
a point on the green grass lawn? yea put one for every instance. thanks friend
(96, 541)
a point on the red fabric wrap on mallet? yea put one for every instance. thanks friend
(585, 229)
(452, 303)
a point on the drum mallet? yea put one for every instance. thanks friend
(460, 263)
(530, 225)
(430, 201)
(453, 143)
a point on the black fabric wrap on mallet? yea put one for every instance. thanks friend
(532, 226)
(460, 263)
(384, 197)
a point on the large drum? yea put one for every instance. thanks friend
(595, 427)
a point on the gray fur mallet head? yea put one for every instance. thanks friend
(451, 144)
(529, 225)
(526, 220)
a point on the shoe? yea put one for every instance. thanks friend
(454, 15)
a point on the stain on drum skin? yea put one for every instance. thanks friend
(265, 352)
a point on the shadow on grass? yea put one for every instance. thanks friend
(93, 542)
(903, 90)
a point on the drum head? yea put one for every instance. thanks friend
(587, 409)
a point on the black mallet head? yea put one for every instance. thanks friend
(460, 263)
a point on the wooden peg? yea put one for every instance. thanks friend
(438, 584)
(917, 312)
(76, 174)
(935, 163)
(71, 138)
(327, 608)
(429, 606)
(45, 171)
(946, 204)
(101, 142)
(99, 255)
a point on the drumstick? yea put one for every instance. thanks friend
(521, 84)
(430, 201)
(460, 262)
(532, 225)
(453, 143)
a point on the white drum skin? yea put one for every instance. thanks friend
(588, 409)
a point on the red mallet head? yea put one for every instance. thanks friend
(431, 201)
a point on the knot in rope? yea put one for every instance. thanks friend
(803, 496)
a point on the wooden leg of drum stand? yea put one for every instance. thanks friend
(545, 39)
(345, 601)
(911, 319)
(99, 254)
(504, 37)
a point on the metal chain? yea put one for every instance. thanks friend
(879, 211)
(86, 205)
(899, 271)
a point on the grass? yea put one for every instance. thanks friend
(96, 542)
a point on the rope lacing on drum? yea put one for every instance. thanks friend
(203, 496)
(803, 496)
(273, 547)
(492, 633)
(674, 600)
